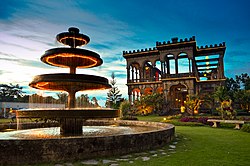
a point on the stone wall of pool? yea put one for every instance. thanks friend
(75, 148)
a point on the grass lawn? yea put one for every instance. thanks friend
(205, 146)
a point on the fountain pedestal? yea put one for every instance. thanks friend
(72, 126)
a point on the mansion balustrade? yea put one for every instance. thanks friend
(164, 76)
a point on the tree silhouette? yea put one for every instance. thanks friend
(10, 92)
(113, 96)
(94, 102)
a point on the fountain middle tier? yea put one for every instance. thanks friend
(67, 82)
(71, 57)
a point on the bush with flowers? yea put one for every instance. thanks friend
(226, 111)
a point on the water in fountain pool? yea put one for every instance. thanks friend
(88, 131)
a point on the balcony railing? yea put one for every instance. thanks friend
(152, 79)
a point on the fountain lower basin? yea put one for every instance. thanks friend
(31, 151)
(70, 119)
(68, 113)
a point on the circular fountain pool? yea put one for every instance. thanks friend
(100, 138)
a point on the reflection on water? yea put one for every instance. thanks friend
(88, 131)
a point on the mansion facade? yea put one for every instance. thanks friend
(176, 68)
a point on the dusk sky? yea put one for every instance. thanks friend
(28, 28)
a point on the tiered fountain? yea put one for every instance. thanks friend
(70, 119)
(75, 141)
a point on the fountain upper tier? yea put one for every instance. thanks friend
(72, 38)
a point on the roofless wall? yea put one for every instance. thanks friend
(175, 62)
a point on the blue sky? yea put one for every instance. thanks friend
(28, 28)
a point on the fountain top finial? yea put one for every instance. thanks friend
(74, 30)
(73, 38)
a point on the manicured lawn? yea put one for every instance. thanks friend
(152, 118)
(206, 146)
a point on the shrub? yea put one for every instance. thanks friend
(179, 123)
(246, 128)
(244, 118)
(202, 120)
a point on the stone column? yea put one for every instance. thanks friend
(137, 95)
(129, 94)
(168, 66)
(136, 75)
(141, 75)
(193, 68)
(162, 72)
(153, 72)
(221, 67)
(133, 93)
(128, 73)
(132, 74)
(189, 67)
(176, 65)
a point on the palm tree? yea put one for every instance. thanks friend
(221, 94)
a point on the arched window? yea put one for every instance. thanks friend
(134, 72)
(136, 94)
(183, 63)
(148, 91)
(157, 70)
(147, 71)
(170, 64)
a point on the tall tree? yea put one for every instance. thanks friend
(62, 98)
(94, 102)
(83, 101)
(244, 81)
(221, 93)
(113, 96)
(238, 90)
